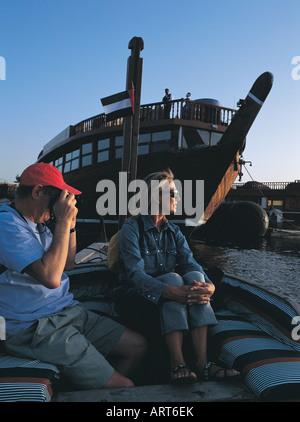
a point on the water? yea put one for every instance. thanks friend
(274, 263)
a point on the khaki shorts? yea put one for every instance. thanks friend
(76, 340)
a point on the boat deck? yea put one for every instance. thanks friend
(90, 277)
(94, 257)
(209, 391)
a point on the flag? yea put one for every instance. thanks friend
(119, 105)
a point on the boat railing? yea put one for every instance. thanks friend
(261, 185)
(176, 109)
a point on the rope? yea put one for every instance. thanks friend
(262, 194)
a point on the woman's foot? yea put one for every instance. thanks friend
(182, 374)
(213, 372)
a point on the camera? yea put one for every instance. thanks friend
(51, 204)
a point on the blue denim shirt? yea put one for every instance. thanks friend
(157, 253)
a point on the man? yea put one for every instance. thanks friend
(167, 105)
(43, 321)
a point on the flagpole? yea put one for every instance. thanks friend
(132, 123)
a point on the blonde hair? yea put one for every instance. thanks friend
(163, 177)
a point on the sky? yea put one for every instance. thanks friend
(62, 56)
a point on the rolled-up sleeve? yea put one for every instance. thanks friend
(132, 264)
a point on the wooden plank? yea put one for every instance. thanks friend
(210, 391)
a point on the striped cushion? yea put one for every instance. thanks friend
(26, 380)
(272, 314)
(254, 336)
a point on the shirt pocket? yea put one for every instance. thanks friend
(171, 256)
(150, 260)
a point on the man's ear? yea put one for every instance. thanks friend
(36, 191)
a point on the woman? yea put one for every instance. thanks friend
(150, 249)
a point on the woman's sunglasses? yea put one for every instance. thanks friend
(174, 194)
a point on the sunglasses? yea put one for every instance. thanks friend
(174, 194)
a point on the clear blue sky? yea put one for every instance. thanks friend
(62, 56)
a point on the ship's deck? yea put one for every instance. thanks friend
(209, 391)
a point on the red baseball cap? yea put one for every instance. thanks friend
(47, 175)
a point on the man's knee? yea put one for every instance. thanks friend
(131, 345)
(139, 344)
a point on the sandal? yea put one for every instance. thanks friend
(214, 377)
(181, 380)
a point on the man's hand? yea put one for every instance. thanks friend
(65, 208)
(48, 270)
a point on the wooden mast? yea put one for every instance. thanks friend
(132, 123)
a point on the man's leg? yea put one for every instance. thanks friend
(61, 340)
(128, 352)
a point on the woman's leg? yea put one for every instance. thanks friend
(201, 316)
(174, 323)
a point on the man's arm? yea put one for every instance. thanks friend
(48, 270)
(72, 247)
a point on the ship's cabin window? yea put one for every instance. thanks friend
(86, 149)
(103, 144)
(86, 152)
(59, 163)
(103, 156)
(144, 138)
(143, 149)
(119, 153)
(103, 150)
(72, 161)
(160, 141)
(161, 136)
(276, 203)
(119, 142)
(148, 142)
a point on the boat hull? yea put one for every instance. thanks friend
(216, 166)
